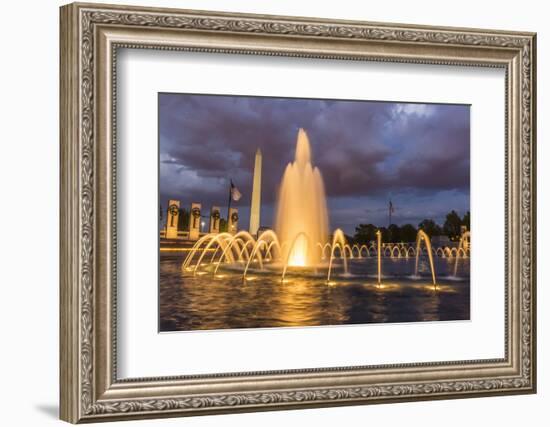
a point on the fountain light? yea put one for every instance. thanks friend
(297, 256)
(302, 208)
(464, 245)
(338, 241)
(300, 235)
(422, 236)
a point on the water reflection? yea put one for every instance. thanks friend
(225, 301)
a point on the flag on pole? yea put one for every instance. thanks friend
(235, 193)
(392, 210)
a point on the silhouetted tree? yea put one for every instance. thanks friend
(385, 234)
(408, 233)
(350, 239)
(364, 233)
(394, 233)
(466, 220)
(452, 225)
(430, 227)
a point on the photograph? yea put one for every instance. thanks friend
(293, 212)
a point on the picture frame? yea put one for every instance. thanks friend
(91, 35)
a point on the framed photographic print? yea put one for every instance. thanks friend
(263, 212)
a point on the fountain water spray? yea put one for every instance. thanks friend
(338, 241)
(300, 238)
(302, 217)
(464, 246)
(268, 239)
(419, 237)
(379, 254)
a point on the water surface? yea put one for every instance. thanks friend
(225, 301)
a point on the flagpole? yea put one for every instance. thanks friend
(389, 210)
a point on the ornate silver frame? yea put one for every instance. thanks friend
(90, 36)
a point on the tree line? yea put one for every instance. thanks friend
(365, 233)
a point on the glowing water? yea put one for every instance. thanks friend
(419, 237)
(300, 238)
(338, 241)
(302, 220)
(463, 245)
(379, 254)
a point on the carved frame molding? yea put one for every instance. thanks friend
(90, 37)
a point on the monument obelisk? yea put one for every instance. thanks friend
(256, 195)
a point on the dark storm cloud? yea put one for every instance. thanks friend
(363, 149)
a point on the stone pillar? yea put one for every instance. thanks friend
(214, 226)
(256, 195)
(194, 221)
(172, 218)
(233, 221)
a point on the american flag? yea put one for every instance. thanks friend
(235, 193)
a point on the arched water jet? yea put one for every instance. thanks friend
(257, 247)
(210, 238)
(325, 247)
(197, 265)
(320, 246)
(214, 254)
(419, 237)
(300, 235)
(263, 240)
(349, 253)
(268, 254)
(463, 244)
(195, 248)
(338, 240)
(269, 235)
(393, 252)
(239, 235)
(244, 250)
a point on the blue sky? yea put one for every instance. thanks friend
(417, 155)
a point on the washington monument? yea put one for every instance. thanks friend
(256, 195)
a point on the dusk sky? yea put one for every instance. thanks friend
(417, 155)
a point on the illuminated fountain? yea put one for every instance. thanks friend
(419, 237)
(300, 243)
(301, 229)
(378, 255)
(338, 242)
(302, 219)
(463, 249)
